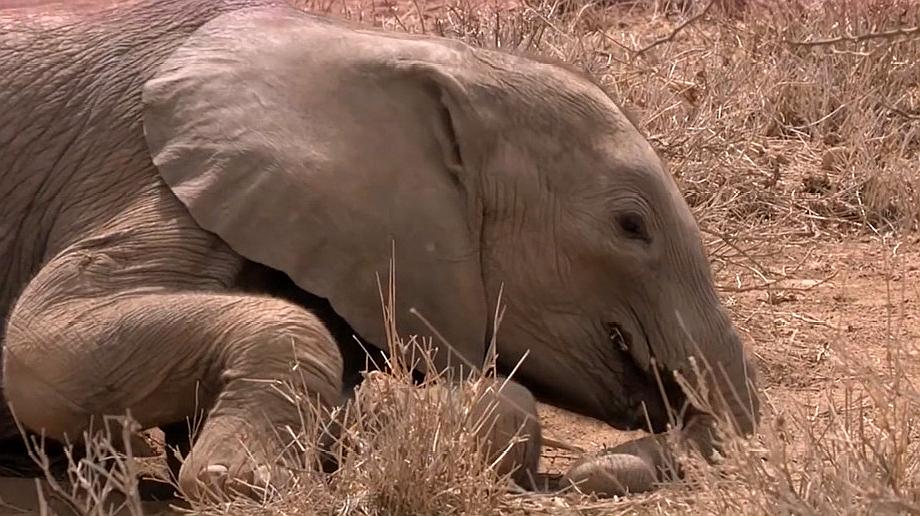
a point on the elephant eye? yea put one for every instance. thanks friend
(633, 226)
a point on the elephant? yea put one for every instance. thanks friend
(196, 193)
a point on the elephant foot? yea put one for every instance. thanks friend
(639, 465)
(232, 457)
(611, 474)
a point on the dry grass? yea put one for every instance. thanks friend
(783, 122)
(400, 451)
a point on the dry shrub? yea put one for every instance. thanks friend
(399, 448)
(99, 477)
(408, 452)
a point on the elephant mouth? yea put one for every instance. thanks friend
(660, 400)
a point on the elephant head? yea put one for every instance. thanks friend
(318, 150)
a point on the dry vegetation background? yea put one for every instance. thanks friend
(793, 128)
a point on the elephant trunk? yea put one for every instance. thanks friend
(729, 379)
(715, 373)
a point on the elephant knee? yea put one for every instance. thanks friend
(32, 392)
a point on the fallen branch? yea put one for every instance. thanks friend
(677, 30)
(887, 34)
(902, 113)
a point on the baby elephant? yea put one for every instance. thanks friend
(153, 151)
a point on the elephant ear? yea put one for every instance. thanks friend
(318, 150)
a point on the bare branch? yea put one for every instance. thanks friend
(887, 34)
(902, 113)
(678, 29)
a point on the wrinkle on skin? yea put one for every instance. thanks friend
(644, 355)
(597, 372)
(112, 284)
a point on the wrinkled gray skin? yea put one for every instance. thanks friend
(150, 161)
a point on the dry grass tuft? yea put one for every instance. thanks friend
(402, 450)
(99, 477)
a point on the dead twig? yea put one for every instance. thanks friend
(421, 16)
(887, 34)
(778, 285)
(562, 445)
(902, 113)
(677, 30)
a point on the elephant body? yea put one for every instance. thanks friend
(70, 182)
(171, 230)
(85, 212)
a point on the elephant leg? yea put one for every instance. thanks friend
(506, 418)
(72, 357)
